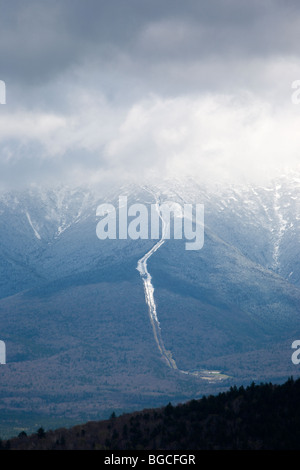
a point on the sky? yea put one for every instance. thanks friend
(107, 91)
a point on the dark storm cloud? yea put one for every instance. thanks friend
(40, 40)
(130, 86)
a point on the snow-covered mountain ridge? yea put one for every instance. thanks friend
(44, 231)
(74, 314)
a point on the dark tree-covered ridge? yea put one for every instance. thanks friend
(264, 416)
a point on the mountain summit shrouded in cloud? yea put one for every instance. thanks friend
(147, 102)
(116, 90)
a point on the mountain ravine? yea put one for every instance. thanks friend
(74, 317)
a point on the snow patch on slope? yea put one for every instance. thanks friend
(36, 233)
